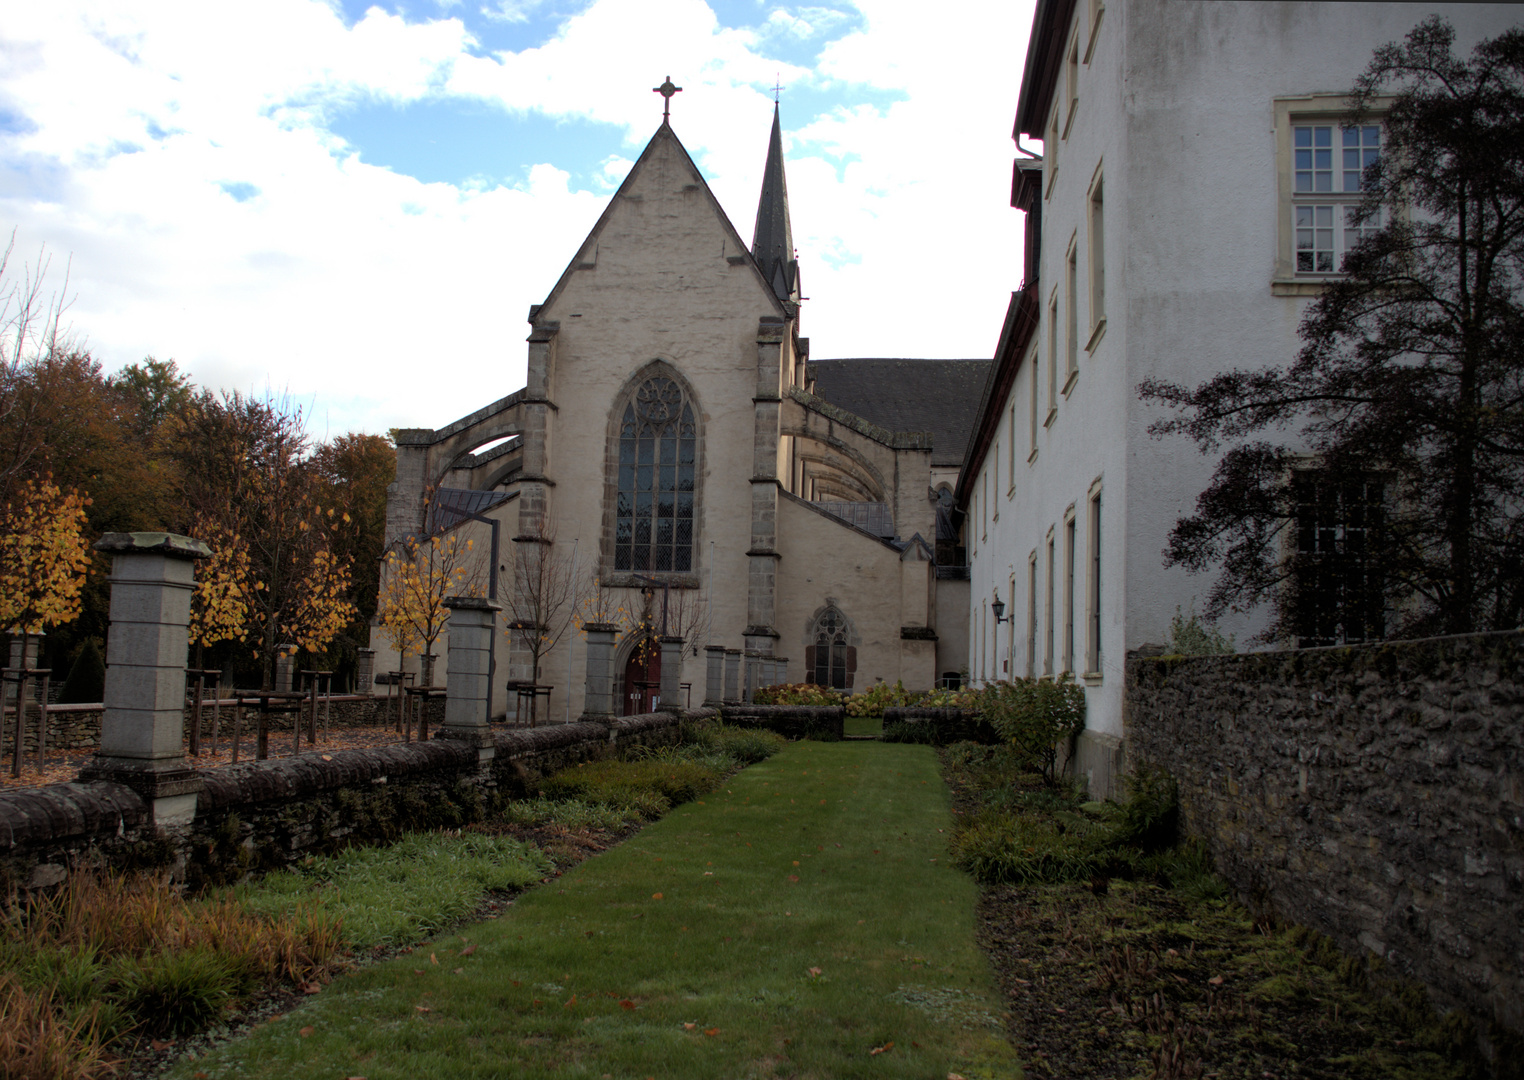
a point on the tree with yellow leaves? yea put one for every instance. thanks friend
(43, 556)
(220, 604)
(419, 574)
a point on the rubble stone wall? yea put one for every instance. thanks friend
(1374, 793)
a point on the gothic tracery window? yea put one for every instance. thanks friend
(831, 659)
(658, 449)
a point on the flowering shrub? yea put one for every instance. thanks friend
(881, 697)
(796, 694)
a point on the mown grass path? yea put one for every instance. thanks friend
(788, 925)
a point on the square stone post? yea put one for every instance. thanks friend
(473, 621)
(714, 676)
(365, 672)
(142, 730)
(671, 674)
(732, 675)
(753, 675)
(598, 701)
(285, 661)
(780, 669)
(33, 651)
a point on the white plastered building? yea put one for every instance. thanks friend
(1173, 230)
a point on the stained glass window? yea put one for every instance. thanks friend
(831, 650)
(658, 450)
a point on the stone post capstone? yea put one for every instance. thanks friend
(468, 659)
(714, 676)
(143, 727)
(599, 697)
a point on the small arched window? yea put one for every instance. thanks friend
(831, 658)
(658, 450)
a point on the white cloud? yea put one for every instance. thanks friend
(179, 152)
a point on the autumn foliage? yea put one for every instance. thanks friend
(43, 557)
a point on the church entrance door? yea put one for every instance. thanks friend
(642, 678)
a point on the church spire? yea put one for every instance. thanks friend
(772, 243)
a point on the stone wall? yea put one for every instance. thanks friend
(790, 721)
(265, 814)
(1373, 793)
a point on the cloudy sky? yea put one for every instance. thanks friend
(357, 203)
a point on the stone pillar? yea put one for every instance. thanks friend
(520, 656)
(753, 675)
(714, 676)
(285, 661)
(473, 621)
(780, 669)
(598, 702)
(146, 645)
(762, 556)
(671, 674)
(365, 672)
(732, 675)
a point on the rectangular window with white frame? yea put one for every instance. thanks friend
(1071, 299)
(995, 465)
(1321, 160)
(1097, 9)
(1069, 553)
(1032, 615)
(1050, 151)
(1047, 652)
(1072, 82)
(1036, 386)
(1052, 358)
(1093, 587)
(1011, 449)
(1097, 261)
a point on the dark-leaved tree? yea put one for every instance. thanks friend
(1375, 486)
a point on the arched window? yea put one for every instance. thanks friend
(658, 449)
(830, 659)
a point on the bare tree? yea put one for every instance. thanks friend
(31, 330)
(544, 596)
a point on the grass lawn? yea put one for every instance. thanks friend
(803, 921)
(863, 725)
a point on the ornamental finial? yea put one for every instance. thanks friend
(666, 90)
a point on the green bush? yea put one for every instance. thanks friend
(921, 733)
(1035, 715)
(1148, 819)
(1189, 636)
(882, 696)
(1022, 849)
(86, 682)
(747, 745)
(174, 993)
(641, 785)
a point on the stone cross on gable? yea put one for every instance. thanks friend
(666, 90)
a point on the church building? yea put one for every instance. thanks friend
(677, 464)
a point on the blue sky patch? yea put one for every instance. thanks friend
(239, 190)
(456, 141)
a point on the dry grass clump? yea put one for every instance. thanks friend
(107, 959)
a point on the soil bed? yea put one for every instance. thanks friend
(1114, 979)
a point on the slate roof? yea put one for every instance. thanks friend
(939, 396)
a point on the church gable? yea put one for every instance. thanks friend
(662, 233)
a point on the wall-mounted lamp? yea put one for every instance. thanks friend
(999, 609)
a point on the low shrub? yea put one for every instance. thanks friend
(1148, 819)
(632, 784)
(1022, 849)
(1035, 715)
(747, 745)
(175, 992)
(567, 813)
